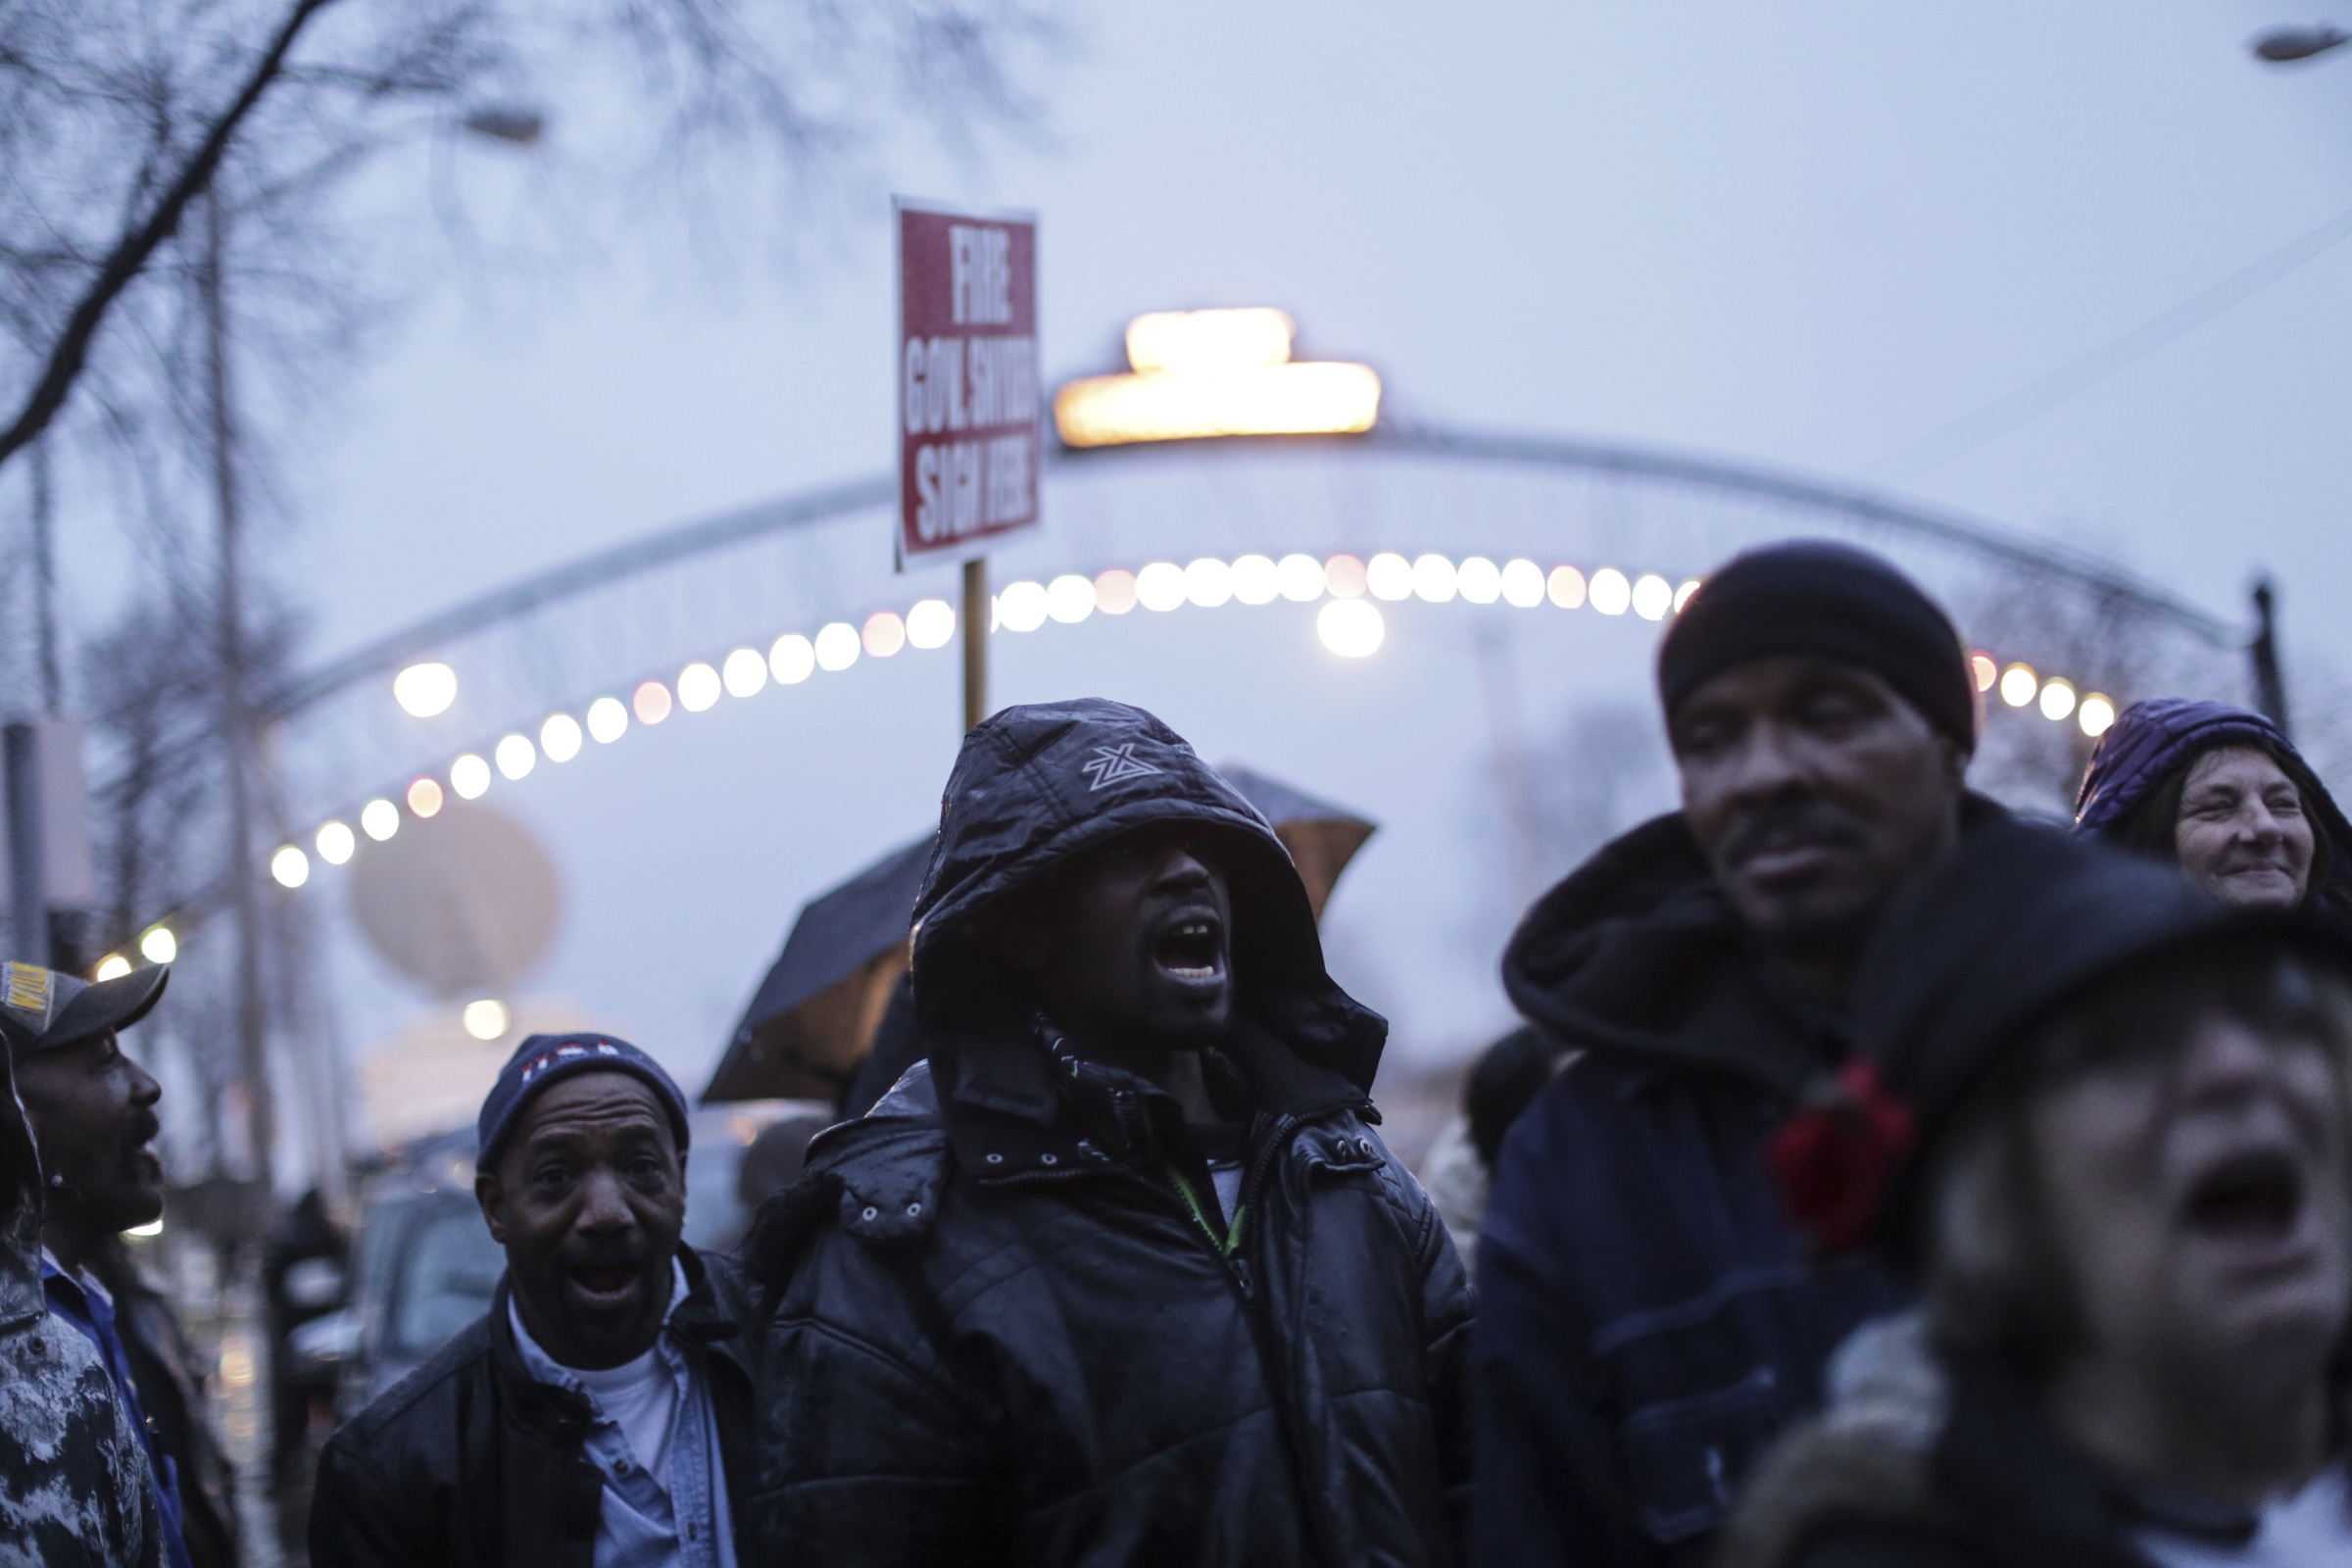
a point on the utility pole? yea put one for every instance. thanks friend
(2270, 684)
(44, 578)
(236, 716)
(976, 617)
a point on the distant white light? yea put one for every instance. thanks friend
(792, 660)
(744, 672)
(1352, 628)
(487, 1019)
(650, 702)
(1301, 577)
(2057, 698)
(289, 866)
(1256, 580)
(1208, 582)
(883, 634)
(1390, 576)
(560, 736)
(425, 796)
(1070, 598)
(469, 777)
(1522, 584)
(379, 820)
(113, 967)
(930, 624)
(836, 645)
(157, 945)
(1021, 607)
(1984, 669)
(1343, 576)
(2096, 716)
(1434, 578)
(1654, 596)
(336, 843)
(1611, 593)
(1209, 340)
(1115, 592)
(1160, 585)
(515, 757)
(608, 720)
(1477, 580)
(698, 687)
(425, 690)
(1682, 595)
(2019, 684)
(1565, 586)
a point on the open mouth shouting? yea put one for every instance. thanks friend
(2251, 1202)
(1189, 948)
(605, 1285)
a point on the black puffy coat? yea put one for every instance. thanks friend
(1002, 1333)
(470, 1462)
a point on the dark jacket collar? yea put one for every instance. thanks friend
(708, 1319)
(1639, 953)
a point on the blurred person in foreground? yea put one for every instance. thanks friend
(2103, 1125)
(1647, 1317)
(91, 1108)
(76, 1487)
(598, 1415)
(1118, 1273)
(2222, 794)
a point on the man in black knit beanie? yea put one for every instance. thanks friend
(1647, 1318)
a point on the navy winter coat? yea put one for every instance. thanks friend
(1012, 1324)
(1647, 1320)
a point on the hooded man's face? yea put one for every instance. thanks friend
(92, 1112)
(1132, 943)
(1815, 791)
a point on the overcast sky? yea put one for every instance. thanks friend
(1806, 233)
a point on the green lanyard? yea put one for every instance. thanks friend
(1232, 1238)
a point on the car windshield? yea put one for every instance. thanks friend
(447, 1276)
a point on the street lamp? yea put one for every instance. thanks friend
(2285, 45)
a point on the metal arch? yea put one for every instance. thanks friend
(1949, 529)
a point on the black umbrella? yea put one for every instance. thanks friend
(815, 1013)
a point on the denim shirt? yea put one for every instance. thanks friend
(640, 1525)
(85, 1302)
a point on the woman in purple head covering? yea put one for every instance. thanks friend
(2223, 794)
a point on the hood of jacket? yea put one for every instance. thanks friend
(2152, 740)
(1038, 785)
(1639, 953)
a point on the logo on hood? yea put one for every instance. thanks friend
(1112, 764)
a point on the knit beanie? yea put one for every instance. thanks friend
(1812, 596)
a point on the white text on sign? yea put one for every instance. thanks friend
(980, 276)
(966, 487)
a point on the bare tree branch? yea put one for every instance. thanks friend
(65, 362)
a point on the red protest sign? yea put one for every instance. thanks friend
(967, 379)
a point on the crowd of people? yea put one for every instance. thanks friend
(1878, 1178)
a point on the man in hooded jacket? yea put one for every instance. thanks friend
(1649, 1318)
(1120, 1273)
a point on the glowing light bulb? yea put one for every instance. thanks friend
(1256, 580)
(2019, 684)
(1301, 577)
(1159, 586)
(1683, 594)
(487, 1019)
(1390, 576)
(698, 687)
(744, 672)
(469, 777)
(1565, 587)
(650, 702)
(157, 945)
(1654, 596)
(1021, 607)
(930, 624)
(2096, 716)
(836, 645)
(379, 820)
(1433, 580)
(1208, 582)
(1986, 671)
(1477, 580)
(1352, 628)
(1070, 598)
(335, 842)
(608, 720)
(1115, 592)
(2057, 698)
(1611, 594)
(113, 967)
(426, 690)
(792, 660)
(289, 867)
(425, 796)
(1345, 576)
(883, 634)
(516, 756)
(1522, 584)
(560, 736)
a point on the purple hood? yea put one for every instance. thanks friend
(2150, 739)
